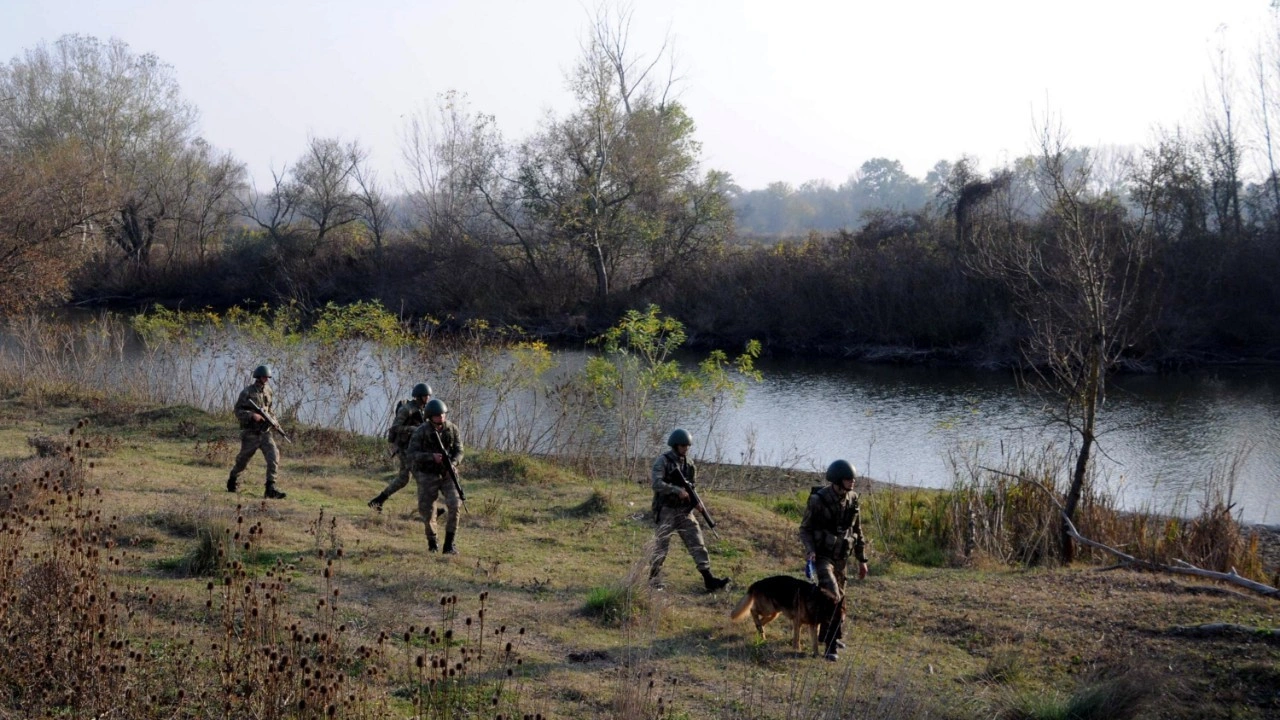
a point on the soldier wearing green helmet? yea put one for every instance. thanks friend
(673, 510)
(409, 415)
(830, 531)
(255, 432)
(431, 445)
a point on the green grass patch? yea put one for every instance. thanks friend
(1117, 698)
(599, 502)
(523, 470)
(792, 507)
(612, 605)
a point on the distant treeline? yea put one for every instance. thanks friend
(781, 210)
(108, 197)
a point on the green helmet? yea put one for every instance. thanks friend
(435, 406)
(840, 470)
(421, 390)
(262, 371)
(679, 436)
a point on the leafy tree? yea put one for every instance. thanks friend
(638, 363)
(48, 197)
(617, 181)
(883, 184)
(613, 189)
(126, 114)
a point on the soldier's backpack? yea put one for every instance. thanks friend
(846, 521)
(392, 431)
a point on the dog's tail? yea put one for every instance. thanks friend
(743, 608)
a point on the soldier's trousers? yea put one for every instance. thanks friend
(402, 478)
(831, 577)
(430, 487)
(679, 520)
(252, 441)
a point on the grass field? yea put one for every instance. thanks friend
(202, 603)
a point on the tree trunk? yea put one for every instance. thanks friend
(1077, 489)
(602, 274)
(1093, 391)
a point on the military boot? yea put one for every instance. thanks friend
(711, 582)
(273, 493)
(432, 545)
(830, 636)
(232, 483)
(449, 548)
(655, 578)
(376, 503)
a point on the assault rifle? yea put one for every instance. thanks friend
(271, 420)
(697, 501)
(450, 470)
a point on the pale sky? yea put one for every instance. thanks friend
(792, 91)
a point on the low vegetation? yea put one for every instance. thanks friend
(134, 586)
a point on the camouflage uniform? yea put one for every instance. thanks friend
(432, 479)
(256, 436)
(830, 530)
(675, 515)
(408, 417)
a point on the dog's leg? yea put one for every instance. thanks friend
(763, 618)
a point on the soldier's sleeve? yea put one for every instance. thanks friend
(455, 446)
(243, 411)
(859, 539)
(812, 513)
(415, 450)
(659, 475)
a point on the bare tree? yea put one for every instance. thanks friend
(311, 198)
(211, 184)
(374, 214)
(1221, 148)
(323, 179)
(1075, 274)
(1267, 75)
(274, 210)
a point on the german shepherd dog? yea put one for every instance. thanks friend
(804, 603)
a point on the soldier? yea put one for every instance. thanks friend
(255, 432)
(673, 508)
(832, 527)
(431, 445)
(409, 415)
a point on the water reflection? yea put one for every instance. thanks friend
(1162, 437)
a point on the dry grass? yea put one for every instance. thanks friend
(102, 619)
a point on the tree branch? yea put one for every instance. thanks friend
(1179, 567)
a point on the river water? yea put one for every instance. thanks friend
(1163, 437)
(1165, 441)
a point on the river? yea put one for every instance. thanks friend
(1163, 437)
